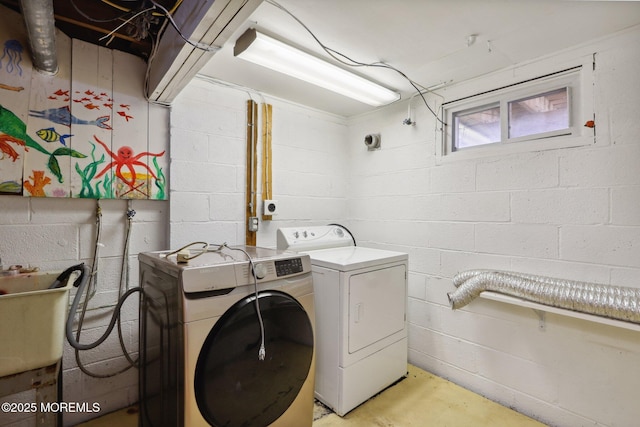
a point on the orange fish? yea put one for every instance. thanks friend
(90, 106)
(88, 92)
(61, 92)
(125, 106)
(126, 117)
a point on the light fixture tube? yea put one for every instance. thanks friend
(271, 53)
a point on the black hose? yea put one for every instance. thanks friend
(74, 307)
(61, 280)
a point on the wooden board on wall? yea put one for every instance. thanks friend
(87, 131)
(267, 154)
(48, 175)
(159, 142)
(251, 170)
(92, 92)
(133, 179)
(15, 78)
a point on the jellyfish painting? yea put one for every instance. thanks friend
(13, 53)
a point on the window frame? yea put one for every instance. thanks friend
(577, 76)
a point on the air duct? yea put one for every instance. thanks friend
(40, 23)
(615, 302)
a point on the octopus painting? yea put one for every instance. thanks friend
(13, 52)
(125, 158)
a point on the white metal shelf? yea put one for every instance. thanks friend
(540, 309)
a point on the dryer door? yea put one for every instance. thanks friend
(232, 386)
(377, 301)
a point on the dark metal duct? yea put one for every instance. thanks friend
(40, 23)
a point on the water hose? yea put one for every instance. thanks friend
(84, 279)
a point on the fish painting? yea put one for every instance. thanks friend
(125, 115)
(12, 125)
(50, 135)
(63, 116)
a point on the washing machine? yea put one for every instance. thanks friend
(225, 341)
(360, 301)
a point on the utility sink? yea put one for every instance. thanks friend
(32, 321)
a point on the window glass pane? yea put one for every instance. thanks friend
(539, 114)
(477, 127)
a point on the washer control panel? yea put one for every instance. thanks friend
(216, 270)
(309, 238)
(287, 267)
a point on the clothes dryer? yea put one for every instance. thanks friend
(360, 304)
(202, 323)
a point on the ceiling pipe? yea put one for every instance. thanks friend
(40, 23)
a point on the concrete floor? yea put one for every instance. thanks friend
(421, 399)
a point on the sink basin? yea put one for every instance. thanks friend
(32, 321)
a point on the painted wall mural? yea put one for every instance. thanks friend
(85, 132)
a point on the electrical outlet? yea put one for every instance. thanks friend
(270, 207)
(253, 223)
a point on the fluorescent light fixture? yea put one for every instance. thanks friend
(268, 52)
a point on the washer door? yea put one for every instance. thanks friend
(232, 386)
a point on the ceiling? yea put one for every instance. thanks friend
(428, 40)
(425, 39)
(91, 20)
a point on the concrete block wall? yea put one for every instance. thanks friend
(54, 234)
(208, 166)
(566, 213)
(569, 213)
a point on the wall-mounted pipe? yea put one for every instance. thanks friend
(615, 302)
(40, 23)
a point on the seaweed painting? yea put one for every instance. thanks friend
(161, 181)
(99, 189)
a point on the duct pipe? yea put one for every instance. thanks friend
(615, 302)
(40, 23)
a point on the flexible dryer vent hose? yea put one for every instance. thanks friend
(615, 302)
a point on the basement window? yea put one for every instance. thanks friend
(540, 113)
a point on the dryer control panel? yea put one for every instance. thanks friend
(310, 238)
